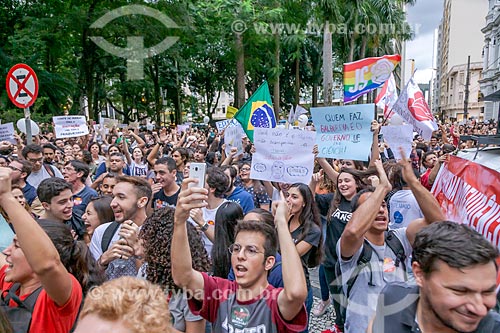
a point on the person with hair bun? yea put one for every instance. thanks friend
(44, 263)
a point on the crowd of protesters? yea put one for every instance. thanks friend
(108, 232)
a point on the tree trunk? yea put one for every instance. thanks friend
(240, 70)
(297, 79)
(276, 87)
(315, 94)
(327, 66)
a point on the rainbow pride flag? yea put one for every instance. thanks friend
(367, 74)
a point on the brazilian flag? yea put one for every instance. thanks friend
(257, 111)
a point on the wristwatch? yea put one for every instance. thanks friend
(205, 227)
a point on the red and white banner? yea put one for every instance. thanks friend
(413, 108)
(469, 193)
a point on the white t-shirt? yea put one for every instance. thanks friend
(35, 178)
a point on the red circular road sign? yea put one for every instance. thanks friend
(22, 85)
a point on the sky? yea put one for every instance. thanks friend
(424, 17)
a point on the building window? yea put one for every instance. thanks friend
(460, 97)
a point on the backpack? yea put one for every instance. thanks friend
(49, 169)
(108, 235)
(20, 316)
(364, 261)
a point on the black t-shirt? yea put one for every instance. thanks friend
(312, 237)
(334, 229)
(160, 199)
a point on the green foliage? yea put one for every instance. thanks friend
(53, 37)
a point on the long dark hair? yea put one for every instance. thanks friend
(156, 233)
(74, 255)
(309, 216)
(102, 206)
(226, 218)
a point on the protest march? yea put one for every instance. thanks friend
(155, 199)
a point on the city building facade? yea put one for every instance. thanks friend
(456, 42)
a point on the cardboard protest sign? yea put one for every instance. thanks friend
(398, 136)
(7, 132)
(343, 132)
(70, 126)
(283, 155)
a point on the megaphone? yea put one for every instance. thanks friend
(21, 126)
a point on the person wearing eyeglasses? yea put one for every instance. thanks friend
(249, 303)
(34, 153)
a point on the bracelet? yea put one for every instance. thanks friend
(205, 227)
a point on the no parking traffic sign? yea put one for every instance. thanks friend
(22, 85)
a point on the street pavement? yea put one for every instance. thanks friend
(318, 324)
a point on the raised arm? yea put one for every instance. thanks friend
(39, 250)
(435, 169)
(362, 219)
(140, 142)
(327, 167)
(426, 201)
(375, 153)
(182, 269)
(291, 299)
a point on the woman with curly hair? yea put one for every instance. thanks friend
(126, 304)
(156, 234)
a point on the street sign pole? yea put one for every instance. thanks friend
(29, 136)
(22, 90)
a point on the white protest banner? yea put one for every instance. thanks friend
(398, 136)
(283, 155)
(343, 132)
(122, 126)
(70, 126)
(221, 125)
(7, 132)
(232, 138)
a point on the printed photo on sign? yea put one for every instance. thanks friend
(283, 155)
(343, 132)
(70, 126)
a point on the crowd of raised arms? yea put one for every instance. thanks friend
(109, 233)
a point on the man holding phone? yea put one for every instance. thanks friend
(248, 304)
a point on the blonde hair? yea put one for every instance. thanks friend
(139, 304)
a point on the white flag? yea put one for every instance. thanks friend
(413, 108)
(299, 110)
(387, 97)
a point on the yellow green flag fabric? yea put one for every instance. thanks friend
(257, 111)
